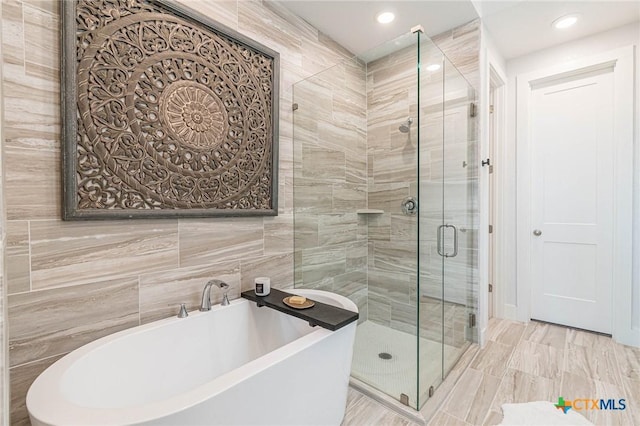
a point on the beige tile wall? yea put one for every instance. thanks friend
(392, 97)
(70, 283)
(330, 182)
(4, 353)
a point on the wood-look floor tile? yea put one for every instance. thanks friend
(537, 359)
(493, 418)
(506, 332)
(518, 386)
(545, 334)
(632, 393)
(483, 398)
(443, 419)
(580, 387)
(493, 358)
(628, 361)
(462, 396)
(597, 361)
(364, 411)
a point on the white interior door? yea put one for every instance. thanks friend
(571, 130)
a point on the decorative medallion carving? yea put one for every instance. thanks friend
(167, 114)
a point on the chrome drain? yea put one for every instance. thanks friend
(384, 355)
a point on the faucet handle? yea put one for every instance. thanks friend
(183, 311)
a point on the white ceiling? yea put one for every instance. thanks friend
(517, 27)
(521, 27)
(353, 23)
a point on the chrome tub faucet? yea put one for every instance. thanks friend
(206, 294)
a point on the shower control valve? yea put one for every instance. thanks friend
(409, 206)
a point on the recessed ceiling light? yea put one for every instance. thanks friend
(433, 67)
(565, 21)
(385, 17)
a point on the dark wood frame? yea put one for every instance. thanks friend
(68, 95)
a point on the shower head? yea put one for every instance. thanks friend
(404, 127)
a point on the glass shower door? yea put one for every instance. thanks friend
(448, 217)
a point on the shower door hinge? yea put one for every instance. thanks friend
(490, 109)
(404, 399)
(491, 229)
(472, 320)
(294, 107)
(490, 288)
(431, 391)
(473, 109)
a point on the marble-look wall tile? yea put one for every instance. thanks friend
(388, 197)
(306, 231)
(162, 292)
(337, 228)
(278, 234)
(32, 183)
(320, 265)
(52, 322)
(347, 197)
(222, 11)
(41, 41)
(357, 255)
(312, 196)
(17, 259)
(390, 286)
(206, 241)
(277, 267)
(21, 378)
(72, 253)
(461, 45)
(32, 113)
(323, 163)
(395, 256)
(12, 33)
(271, 30)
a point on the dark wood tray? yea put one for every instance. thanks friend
(326, 316)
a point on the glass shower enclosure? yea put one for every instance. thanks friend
(385, 208)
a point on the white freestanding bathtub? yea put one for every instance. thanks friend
(234, 365)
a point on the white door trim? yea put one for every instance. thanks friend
(623, 58)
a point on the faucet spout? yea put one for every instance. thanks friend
(206, 294)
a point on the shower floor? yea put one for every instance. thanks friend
(397, 375)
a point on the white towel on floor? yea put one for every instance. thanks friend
(540, 413)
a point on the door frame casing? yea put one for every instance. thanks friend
(623, 138)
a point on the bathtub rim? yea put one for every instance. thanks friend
(45, 390)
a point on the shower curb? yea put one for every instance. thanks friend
(430, 408)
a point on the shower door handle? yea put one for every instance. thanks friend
(441, 251)
(455, 241)
(439, 243)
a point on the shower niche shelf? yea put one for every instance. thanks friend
(369, 211)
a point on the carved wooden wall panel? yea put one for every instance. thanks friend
(166, 114)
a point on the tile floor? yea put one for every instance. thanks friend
(533, 362)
